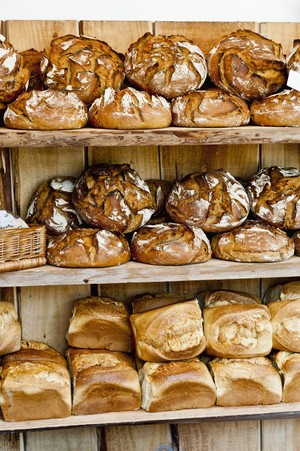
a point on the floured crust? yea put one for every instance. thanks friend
(285, 319)
(293, 59)
(149, 301)
(10, 328)
(214, 298)
(278, 110)
(32, 60)
(288, 364)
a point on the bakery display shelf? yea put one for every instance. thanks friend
(165, 136)
(134, 272)
(215, 413)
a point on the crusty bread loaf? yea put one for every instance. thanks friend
(160, 190)
(214, 298)
(293, 59)
(129, 109)
(283, 292)
(51, 205)
(100, 323)
(253, 241)
(177, 385)
(245, 382)
(46, 110)
(278, 110)
(173, 332)
(35, 351)
(247, 64)
(296, 238)
(10, 329)
(285, 319)
(274, 194)
(166, 65)
(170, 244)
(288, 364)
(82, 64)
(32, 60)
(88, 248)
(149, 301)
(103, 381)
(214, 201)
(210, 108)
(114, 197)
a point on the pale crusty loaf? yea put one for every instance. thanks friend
(149, 301)
(10, 329)
(103, 381)
(100, 323)
(247, 64)
(274, 194)
(209, 108)
(283, 292)
(82, 64)
(214, 201)
(170, 244)
(253, 241)
(88, 248)
(173, 332)
(177, 385)
(114, 197)
(278, 110)
(214, 298)
(46, 110)
(285, 320)
(245, 382)
(129, 109)
(288, 364)
(166, 65)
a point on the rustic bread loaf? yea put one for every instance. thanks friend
(149, 301)
(100, 323)
(46, 110)
(82, 64)
(177, 385)
(274, 194)
(285, 320)
(245, 382)
(129, 109)
(296, 238)
(247, 64)
(103, 381)
(214, 298)
(254, 241)
(283, 292)
(172, 332)
(160, 190)
(293, 59)
(166, 65)
(114, 197)
(88, 248)
(10, 328)
(214, 201)
(288, 364)
(278, 110)
(32, 60)
(209, 108)
(170, 244)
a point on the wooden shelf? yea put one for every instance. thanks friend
(133, 272)
(166, 136)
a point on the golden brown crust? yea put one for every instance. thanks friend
(214, 298)
(278, 110)
(32, 60)
(149, 301)
(285, 319)
(293, 59)
(288, 364)
(10, 329)
(296, 238)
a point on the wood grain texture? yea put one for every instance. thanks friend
(283, 32)
(62, 440)
(10, 442)
(281, 435)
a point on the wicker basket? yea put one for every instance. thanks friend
(22, 248)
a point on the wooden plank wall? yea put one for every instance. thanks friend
(45, 311)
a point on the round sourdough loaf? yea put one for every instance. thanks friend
(254, 241)
(247, 64)
(210, 108)
(46, 110)
(129, 109)
(170, 244)
(168, 65)
(278, 110)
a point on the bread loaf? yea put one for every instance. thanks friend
(285, 320)
(283, 292)
(46, 110)
(245, 382)
(103, 381)
(173, 332)
(165, 65)
(149, 301)
(113, 197)
(209, 108)
(278, 110)
(254, 241)
(170, 244)
(177, 385)
(214, 298)
(288, 364)
(10, 329)
(129, 109)
(293, 59)
(214, 201)
(296, 238)
(100, 323)
(160, 190)
(247, 64)
(274, 194)
(88, 248)
(32, 60)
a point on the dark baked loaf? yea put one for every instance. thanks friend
(32, 59)
(254, 241)
(247, 64)
(160, 190)
(82, 64)
(278, 110)
(210, 108)
(46, 110)
(129, 109)
(166, 65)
(296, 238)
(114, 197)
(214, 201)
(274, 194)
(170, 244)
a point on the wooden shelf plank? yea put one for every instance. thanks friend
(165, 136)
(133, 272)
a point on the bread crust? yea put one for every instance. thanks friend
(288, 364)
(10, 329)
(278, 110)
